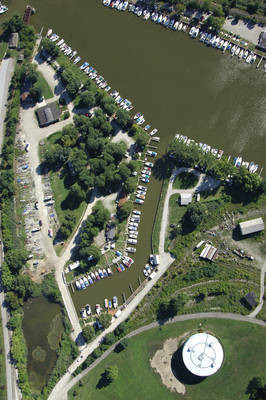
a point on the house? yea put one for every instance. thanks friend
(185, 199)
(262, 41)
(251, 299)
(48, 114)
(13, 40)
(251, 226)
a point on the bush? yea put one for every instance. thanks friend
(88, 333)
(111, 373)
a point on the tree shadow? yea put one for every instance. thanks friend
(181, 372)
(103, 382)
(162, 168)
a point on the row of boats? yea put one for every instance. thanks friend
(238, 161)
(89, 279)
(221, 44)
(172, 23)
(154, 16)
(124, 103)
(85, 312)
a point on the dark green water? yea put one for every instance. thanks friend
(178, 83)
(38, 316)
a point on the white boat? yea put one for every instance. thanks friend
(49, 32)
(195, 33)
(132, 241)
(192, 30)
(115, 302)
(249, 58)
(176, 25)
(233, 49)
(245, 54)
(98, 309)
(76, 60)
(241, 54)
(253, 59)
(88, 309)
(78, 285)
(153, 132)
(237, 51)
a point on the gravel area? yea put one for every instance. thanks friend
(245, 30)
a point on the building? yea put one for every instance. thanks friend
(251, 226)
(48, 114)
(13, 40)
(262, 41)
(209, 252)
(251, 299)
(185, 199)
(202, 354)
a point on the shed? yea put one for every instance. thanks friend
(251, 299)
(185, 199)
(262, 41)
(251, 226)
(13, 40)
(20, 58)
(48, 114)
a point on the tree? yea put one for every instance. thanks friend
(257, 389)
(195, 214)
(12, 300)
(105, 320)
(36, 93)
(124, 210)
(130, 184)
(67, 225)
(50, 47)
(14, 24)
(86, 99)
(76, 194)
(176, 304)
(124, 171)
(122, 118)
(109, 338)
(247, 182)
(121, 329)
(88, 251)
(111, 373)
(88, 333)
(123, 344)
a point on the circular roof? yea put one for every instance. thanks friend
(203, 354)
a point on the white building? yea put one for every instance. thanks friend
(251, 226)
(185, 199)
(203, 354)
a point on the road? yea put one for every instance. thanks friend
(13, 393)
(156, 324)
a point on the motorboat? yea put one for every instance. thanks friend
(83, 313)
(88, 309)
(98, 309)
(131, 249)
(109, 271)
(132, 241)
(153, 132)
(78, 285)
(86, 281)
(115, 302)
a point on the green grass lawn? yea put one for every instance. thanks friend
(244, 349)
(3, 47)
(43, 85)
(2, 366)
(185, 180)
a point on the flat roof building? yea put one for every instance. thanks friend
(48, 114)
(251, 226)
(13, 40)
(185, 199)
(202, 354)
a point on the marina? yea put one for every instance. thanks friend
(170, 95)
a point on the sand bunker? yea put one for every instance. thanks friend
(161, 362)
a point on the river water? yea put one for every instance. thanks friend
(178, 83)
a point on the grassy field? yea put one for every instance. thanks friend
(185, 180)
(244, 348)
(43, 85)
(3, 47)
(2, 366)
